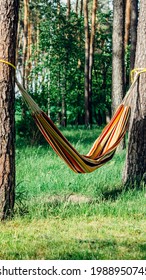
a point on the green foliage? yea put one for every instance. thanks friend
(57, 60)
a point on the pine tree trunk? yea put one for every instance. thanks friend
(133, 31)
(118, 54)
(135, 169)
(127, 22)
(118, 79)
(91, 56)
(68, 8)
(8, 32)
(25, 41)
(87, 45)
(77, 6)
(81, 8)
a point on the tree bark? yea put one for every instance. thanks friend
(8, 32)
(91, 56)
(127, 22)
(68, 8)
(87, 45)
(118, 76)
(135, 168)
(133, 31)
(77, 6)
(118, 54)
(89, 53)
(25, 41)
(81, 8)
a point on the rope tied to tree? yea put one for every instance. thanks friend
(8, 63)
(135, 73)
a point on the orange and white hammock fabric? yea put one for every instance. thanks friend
(103, 148)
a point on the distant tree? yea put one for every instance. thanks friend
(127, 22)
(118, 53)
(89, 53)
(8, 32)
(25, 41)
(118, 71)
(135, 169)
(133, 31)
(87, 45)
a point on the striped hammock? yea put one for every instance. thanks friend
(103, 148)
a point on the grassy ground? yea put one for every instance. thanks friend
(63, 215)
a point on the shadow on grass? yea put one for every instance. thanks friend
(91, 250)
(104, 250)
(113, 194)
(142, 248)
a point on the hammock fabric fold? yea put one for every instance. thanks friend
(103, 148)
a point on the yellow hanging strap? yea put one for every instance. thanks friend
(135, 73)
(8, 63)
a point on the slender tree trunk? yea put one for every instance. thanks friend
(87, 46)
(81, 8)
(77, 6)
(89, 53)
(8, 35)
(91, 56)
(134, 19)
(24, 56)
(127, 22)
(135, 169)
(64, 73)
(68, 8)
(25, 40)
(118, 54)
(29, 46)
(118, 79)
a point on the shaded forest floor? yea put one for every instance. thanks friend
(63, 215)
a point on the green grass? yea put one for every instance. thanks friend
(63, 215)
(93, 237)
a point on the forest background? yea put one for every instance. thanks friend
(51, 48)
(65, 59)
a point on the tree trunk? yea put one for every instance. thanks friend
(68, 8)
(133, 31)
(87, 45)
(89, 53)
(8, 31)
(64, 73)
(118, 54)
(91, 56)
(135, 169)
(118, 80)
(127, 22)
(77, 6)
(29, 46)
(25, 41)
(81, 8)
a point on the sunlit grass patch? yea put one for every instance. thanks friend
(76, 238)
